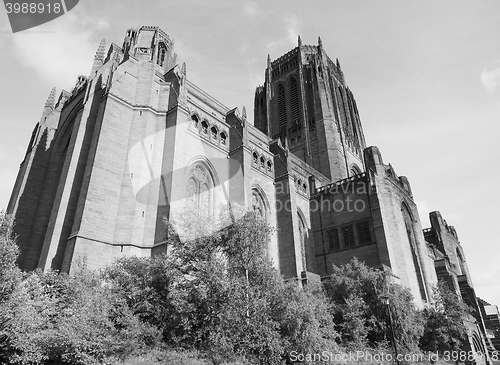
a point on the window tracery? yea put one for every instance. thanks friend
(198, 188)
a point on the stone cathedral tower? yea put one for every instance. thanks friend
(305, 102)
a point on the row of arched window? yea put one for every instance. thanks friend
(209, 131)
(261, 163)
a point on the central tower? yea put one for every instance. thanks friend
(306, 104)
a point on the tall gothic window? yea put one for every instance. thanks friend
(260, 208)
(198, 188)
(461, 263)
(302, 241)
(258, 205)
(162, 51)
(281, 105)
(413, 247)
(294, 101)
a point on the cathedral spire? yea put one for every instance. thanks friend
(300, 41)
(338, 63)
(268, 60)
(320, 43)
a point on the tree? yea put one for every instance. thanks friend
(217, 292)
(444, 321)
(360, 295)
(10, 274)
(54, 318)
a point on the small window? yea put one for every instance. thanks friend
(194, 118)
(214, 132)
(348, 235)
(299, 183)
(162, 51)
(333, 237)
(255, 158)
(204, 127)
(354, 170)
(304, 186)
(269, 166)
(363, 232)
(223, 138)
(262, 162)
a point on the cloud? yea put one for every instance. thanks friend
(490, 78)
(184, 52)
(60, 50)
(252, 9)
(292, 26)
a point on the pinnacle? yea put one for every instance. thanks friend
(51, 100)
(100, 50)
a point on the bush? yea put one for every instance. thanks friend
(60, 319)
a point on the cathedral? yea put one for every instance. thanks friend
(136, 141)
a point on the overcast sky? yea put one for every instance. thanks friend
(425, 75)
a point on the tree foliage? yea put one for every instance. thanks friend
(218, 292)
(362, 298)
(444, 321)
(215, 297)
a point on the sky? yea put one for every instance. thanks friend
(425, 75)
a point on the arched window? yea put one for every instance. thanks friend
(260, 206)
(262, 162)
(223, 138)
(198, 188)
(162, 51)
(302, 241)
(281, 105)
(355, 170)
(195, 120)
(294, 101)
(413, 247)
(269, 166)
(255, 158)
(204, 127)
(461, 263)
(214, 133)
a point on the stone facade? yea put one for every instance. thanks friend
(136, 141)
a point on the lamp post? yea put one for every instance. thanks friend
(393, 337)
